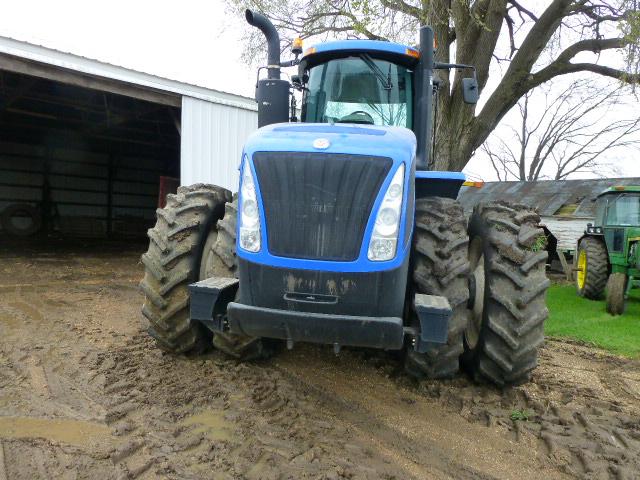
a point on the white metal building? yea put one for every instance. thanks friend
(85, 143)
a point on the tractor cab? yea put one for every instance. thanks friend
(618, 207)
(358, 82)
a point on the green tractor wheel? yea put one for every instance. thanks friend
(616, 290)
(592, 268)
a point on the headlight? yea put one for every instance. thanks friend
(249, 217)
(384, 240)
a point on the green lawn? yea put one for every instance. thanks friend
(586, 320)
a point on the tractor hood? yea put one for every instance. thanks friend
(397, 143)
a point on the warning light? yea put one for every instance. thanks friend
(412, 53)
(296, 46)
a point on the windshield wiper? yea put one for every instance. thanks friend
(384, 80)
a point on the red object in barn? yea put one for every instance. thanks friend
(167, 185)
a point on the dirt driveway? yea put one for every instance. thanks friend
(85, 394)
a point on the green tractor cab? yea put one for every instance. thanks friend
(609, 251)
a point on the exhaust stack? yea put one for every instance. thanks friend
(258, 20)
(424, 99)
(272, 94)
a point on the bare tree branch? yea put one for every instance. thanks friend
(568, 137)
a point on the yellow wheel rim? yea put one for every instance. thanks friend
(582, 269)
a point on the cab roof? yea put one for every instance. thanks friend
(621, 188)
(395, 52)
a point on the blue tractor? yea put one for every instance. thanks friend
(341, 234)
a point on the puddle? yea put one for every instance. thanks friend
(212, 423)
(74, 432)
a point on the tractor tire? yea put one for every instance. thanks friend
(439, 266)
(222, 261)
(193, 239)
(173, 262)
(508, 294)
(24, 210)
(592, 254)
(616, 289)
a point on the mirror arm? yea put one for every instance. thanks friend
(290, 63)
(445, 66)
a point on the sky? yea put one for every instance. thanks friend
(194, 41)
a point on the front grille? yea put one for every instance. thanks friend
(317, 205)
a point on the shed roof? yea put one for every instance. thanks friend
(37, 60)
(566, 198)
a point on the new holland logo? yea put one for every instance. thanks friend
(321, 143)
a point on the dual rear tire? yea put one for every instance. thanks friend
(193, 239)
(493, 274)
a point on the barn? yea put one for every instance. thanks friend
(565, 208)
(86, 147)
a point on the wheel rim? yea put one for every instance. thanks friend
(476, 307)
(582, 269)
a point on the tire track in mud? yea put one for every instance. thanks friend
(436, 442)
(305, 414)
(242, 420)
(586, 428)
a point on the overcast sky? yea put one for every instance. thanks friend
(192, 40)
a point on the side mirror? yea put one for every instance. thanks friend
(470, 92)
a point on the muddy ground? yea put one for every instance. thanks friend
(85, 394)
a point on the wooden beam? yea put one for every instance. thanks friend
(568, 270)
(19, 92)
(71, 77)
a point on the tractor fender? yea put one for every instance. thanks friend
(438, 184)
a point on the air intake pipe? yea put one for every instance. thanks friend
(258, 20)
(272, 94)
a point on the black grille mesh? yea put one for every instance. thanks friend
(317, 204)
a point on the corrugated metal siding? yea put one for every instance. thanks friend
(79, 187)
(213, 136)
(566, 230)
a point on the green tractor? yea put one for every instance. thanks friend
(609, 251)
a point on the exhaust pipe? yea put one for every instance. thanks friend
(258, 20)
(424, 100)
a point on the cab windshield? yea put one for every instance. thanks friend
(358, 89)
(624, 210)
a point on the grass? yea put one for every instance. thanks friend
(586, 320)
(521, 415)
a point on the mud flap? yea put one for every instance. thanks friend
(209, 300)
(434, 313)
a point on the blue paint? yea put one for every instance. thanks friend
(324, 128)
(438, 175)
(367, 46)
(397, 143)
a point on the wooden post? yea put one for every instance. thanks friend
(45, 202)
(110, 196)
(568, 271)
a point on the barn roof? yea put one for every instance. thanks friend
(37, 60)
(564, 198)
